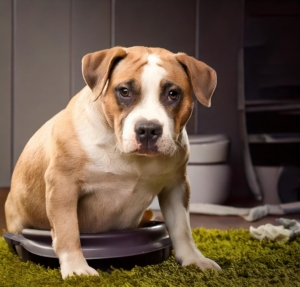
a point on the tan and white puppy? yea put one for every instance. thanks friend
(98, 164)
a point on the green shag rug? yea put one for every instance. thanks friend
(245, 261)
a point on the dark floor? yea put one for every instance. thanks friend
(207, 221)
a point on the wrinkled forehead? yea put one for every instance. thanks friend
(159, 60)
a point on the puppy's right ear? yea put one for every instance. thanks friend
(97, 66)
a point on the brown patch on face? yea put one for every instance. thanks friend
(191, 74)
(125, 75)
(178, 81)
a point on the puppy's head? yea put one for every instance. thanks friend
(146, 94)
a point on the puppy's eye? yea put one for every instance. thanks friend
(173, 95)
(124, 92)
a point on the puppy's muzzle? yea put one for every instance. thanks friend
(147, 134)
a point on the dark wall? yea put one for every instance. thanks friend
(220, 40)
(44, 42)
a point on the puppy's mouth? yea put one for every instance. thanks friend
(147, 151)
(162, 147)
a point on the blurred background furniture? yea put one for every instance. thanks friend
(269, 100)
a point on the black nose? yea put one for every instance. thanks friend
(148, 132)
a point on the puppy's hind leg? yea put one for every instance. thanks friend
(14, 223)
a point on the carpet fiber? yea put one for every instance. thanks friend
(245, 262)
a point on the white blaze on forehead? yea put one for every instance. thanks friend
(151, 78)
(152, 73)
(149, 106)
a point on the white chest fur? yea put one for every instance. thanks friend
(116, 188)
(116, 198)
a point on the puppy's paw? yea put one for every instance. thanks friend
(200, 261)
(78, 268)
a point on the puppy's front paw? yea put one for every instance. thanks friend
(201, 261)
(78, 268)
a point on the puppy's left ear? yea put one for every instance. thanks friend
(96, 67)
(203, 78)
